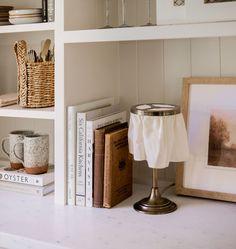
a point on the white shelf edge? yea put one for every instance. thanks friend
(27, 27)
(35, 113)
(195, 30)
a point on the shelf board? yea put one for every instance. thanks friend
(19, 112)
(27, 27)
(195, 30)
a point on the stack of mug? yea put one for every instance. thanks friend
(28, 150)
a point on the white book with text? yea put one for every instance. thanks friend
(20, 176)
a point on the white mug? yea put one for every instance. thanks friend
(13, 138)
(36, 153)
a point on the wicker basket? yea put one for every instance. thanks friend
(35, 81)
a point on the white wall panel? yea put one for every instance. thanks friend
(228, 56)
(176, 66)
(128, 74)
(91, 71)
(205, 54)
(150, 71)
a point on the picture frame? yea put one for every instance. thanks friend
(194, 11)
(209, 110)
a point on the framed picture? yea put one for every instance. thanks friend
(194, 11)
(209, 109)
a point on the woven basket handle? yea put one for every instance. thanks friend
(20, 49)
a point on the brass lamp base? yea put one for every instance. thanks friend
(155, 204)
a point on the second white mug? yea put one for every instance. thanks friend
(36, 153)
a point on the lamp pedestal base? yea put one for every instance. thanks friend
(155, 204)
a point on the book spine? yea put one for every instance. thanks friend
(107, 173)
(80, 162)
(71, 157)
(23, 179)
(89, 164)
(44, 10)
(98, 168)
(50, 10)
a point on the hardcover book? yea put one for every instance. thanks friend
(91, 126)
(117, 168)
(21, 177)
(99, 152)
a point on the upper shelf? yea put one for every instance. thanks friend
(19, 112)
(27, 27)
(196, 30)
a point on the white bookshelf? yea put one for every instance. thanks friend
(27, 28)
(137, 64)
(20, 112)
(180, 31)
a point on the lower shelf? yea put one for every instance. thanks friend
(18, 112)
(32, 222)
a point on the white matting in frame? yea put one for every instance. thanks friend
(209, 108)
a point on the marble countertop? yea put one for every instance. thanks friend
(33, 222)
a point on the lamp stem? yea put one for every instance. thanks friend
(154, 178)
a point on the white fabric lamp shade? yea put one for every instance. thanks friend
(158, 139)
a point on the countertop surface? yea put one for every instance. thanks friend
(33, 222)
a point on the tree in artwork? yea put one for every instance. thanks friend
(222, 139)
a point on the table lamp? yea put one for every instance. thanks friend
(158, 135)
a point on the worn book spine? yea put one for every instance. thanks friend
(99, 151)
(117, 168)
(44, 10)
(50, 10)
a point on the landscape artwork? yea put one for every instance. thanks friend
(222, 138)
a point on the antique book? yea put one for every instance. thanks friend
(99, 152)
(93, 124)
(117, 168)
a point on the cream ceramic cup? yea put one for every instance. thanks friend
(36, 153)
(13, 138)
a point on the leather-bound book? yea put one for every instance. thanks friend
(99, 151)
(117, 168)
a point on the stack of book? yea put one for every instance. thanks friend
(20, 181)
(98, 125)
